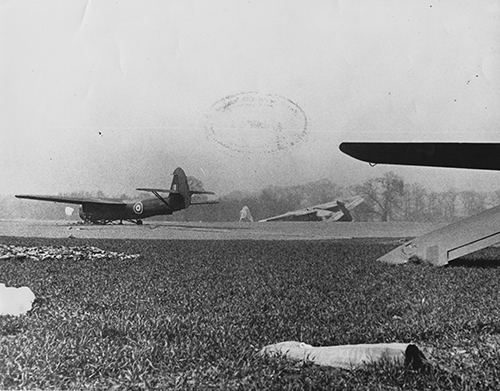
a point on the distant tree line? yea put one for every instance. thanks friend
(387, 198)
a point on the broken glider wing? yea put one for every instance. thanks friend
(334, 210)
(457, 239)
(72, 200)
(484, 156)
(353, 202)
(288, 216)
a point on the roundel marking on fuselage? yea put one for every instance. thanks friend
(138, 208)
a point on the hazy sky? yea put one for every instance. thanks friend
(114, 95)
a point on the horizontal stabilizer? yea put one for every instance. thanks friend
(205, 203)
(158, 190)
(200, 192)
(485, 156)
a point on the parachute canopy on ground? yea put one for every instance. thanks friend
(245, 214)
(15, 301)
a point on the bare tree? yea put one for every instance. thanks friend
(448, 204)
(473, 202)
(414, 202)
(383, 194)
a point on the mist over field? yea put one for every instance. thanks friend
(111, 96)
(386, 198)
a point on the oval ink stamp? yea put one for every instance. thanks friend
(253, 122)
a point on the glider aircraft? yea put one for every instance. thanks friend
(106, 210)
(452, 241)
(332, 211)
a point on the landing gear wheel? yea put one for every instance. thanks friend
(139, 222)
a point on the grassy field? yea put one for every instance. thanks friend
(193, 315)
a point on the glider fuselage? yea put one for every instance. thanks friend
(141, 209)
(102, 210)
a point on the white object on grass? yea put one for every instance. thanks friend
(347, 356)
(245, 214)
(15, 301)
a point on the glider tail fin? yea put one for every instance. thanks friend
(347, 206)
(346, 212)
(180, 193)
(179, 189)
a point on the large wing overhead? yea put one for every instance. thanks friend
(72, 200)
(484, 156)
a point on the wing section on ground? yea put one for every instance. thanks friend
(72, 200)
(450, 242)
(484, 156)
(454, 240)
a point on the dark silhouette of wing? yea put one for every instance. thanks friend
(72, 200)
(484, 156)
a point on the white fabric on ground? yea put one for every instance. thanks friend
(15, 301)
(342, 356)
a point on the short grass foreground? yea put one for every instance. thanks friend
(193, 315)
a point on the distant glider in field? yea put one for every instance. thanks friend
(457, 239)
(106, 210)
(332, 211)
